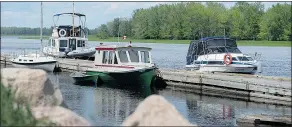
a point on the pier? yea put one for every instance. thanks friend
(262, 89)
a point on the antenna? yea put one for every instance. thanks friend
(41, 29)
(73, 19)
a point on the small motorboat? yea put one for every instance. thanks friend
(83, 79)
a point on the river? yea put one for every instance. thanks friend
(108, 107)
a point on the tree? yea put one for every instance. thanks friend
(103, 32)
(276, 23)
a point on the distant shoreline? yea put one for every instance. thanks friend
(114, 39)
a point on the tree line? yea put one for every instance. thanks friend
(33, 31)
(193, 20)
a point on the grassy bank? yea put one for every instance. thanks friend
(115, 39)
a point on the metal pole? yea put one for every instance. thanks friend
(73, 18)
(41, 29)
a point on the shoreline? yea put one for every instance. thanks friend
(114, 39)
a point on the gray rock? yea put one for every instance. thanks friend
(32, 86)
(59, 115)
(156, 111)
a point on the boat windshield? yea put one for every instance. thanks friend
(134, 56)
(123, 56)
(243, 58)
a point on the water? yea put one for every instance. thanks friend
(276, 61)
(103, 106)
(107, 106)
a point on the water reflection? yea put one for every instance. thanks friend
(109, 106)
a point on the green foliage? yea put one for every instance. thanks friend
(16, 114)
(102, 32)
(193, 20)
(276, 23)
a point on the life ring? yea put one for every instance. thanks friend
(225, 59)
(62, 31)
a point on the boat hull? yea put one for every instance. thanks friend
(47, 66)
(134, 79)
(245, 69)
(82, 79)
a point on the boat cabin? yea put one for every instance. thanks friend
(67, 43)
(113, 55)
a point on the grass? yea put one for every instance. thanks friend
(14, 113)
(115, 39)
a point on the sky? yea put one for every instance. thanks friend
(27, 14)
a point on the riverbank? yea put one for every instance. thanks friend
(114, 39)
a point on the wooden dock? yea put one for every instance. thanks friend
(257, 120)
(254, 88)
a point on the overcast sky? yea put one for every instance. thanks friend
(27, 14)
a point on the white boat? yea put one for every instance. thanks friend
(69, 40)
(35, 61)
(219, 54)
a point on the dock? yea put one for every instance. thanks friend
(262, 89)
(257, 120)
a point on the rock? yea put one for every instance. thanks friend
(59, 115)
(156, 111)
(32, 86)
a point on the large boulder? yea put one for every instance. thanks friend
(32, 86)
(45, 99)
(59, 115)
(156, 111)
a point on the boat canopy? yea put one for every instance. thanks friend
(210, 45)
(77, 14)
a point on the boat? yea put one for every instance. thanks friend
(35, 61)
(123, 66)
(82, 78)
(69, 40)
(219, 54)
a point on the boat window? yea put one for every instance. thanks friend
(197, 62)
(53, 43)
(110, 57)
(72, 44)
(79, 43)
(63, 43)
(145, 57)
(134, 55)
(215, 62)
(83, 43)
(19, 59)
(249, 58)
(234, 59)
(24, 60)
(50, 42)
(30, 60)
(115, 59)
(105, 57)
(242, 58)
(123, 56)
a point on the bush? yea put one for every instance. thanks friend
(15, 114)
